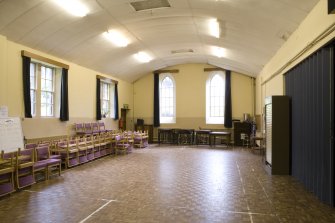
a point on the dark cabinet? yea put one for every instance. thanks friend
(277, 134)
(241, 128)
(123, 120)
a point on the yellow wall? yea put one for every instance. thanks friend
(82, 90)
(191, 96)
(313, 25)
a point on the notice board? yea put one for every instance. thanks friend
(11, 135)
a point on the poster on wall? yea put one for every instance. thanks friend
(11, 135)
(3, 111)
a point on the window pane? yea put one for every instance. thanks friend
(167, 99)
(43, 110)
(43, 97)
(215, 99)
(42, 72)
(48, 74)
(49, 86)
(105, 98)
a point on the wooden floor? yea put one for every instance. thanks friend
(168, 184)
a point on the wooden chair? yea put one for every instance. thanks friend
(42, 154)
(88, 128)
(79, 128)
(25, 168)
(96, 143)
(7, 170)
(123, 144)
(140, 139)
(103, 144)
(89, 147)
(82, 149)
(69, 152)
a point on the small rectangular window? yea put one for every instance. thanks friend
(107, 99)
(43, 90)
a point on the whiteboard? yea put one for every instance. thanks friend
(11, 135)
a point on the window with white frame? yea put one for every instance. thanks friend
(107, 99)
(167, 99)
(44, 85)
(215, 98)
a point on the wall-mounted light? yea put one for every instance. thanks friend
(117, 38)
(219, 51)
(73, 7)
(214, 28)
(143, 57)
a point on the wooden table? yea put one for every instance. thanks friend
(213, 135)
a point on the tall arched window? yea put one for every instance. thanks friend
(215, 98)
(167, 96)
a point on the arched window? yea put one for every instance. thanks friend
(215, 98)
(167, 98)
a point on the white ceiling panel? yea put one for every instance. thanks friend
(251, 32)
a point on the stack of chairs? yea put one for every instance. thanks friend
(90, 128)
(124, 143)
(69, 152)
(141, 139)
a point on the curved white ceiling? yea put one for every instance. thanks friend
(252, 31)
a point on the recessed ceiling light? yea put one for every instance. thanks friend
(143, 57)
(73, 7)
(219, 51)
(214, 28)
(117, 38)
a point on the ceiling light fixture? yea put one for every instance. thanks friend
(74, 7)
(143, 57)
(219, 52)
(117, 38)
(214, 28)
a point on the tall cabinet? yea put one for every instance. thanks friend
(277, 129)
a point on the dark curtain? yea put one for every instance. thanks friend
(228, 123)
(26, 86)
(98, 100)
(156, 100)
(64, 99)
(310, 86)
(116, 103)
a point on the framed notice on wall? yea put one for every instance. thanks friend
(11, 135)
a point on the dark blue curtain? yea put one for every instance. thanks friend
(156, 100)
(26, 86)
(228, 123)
(310, 86)
(64, 99)
(116, 103)
(98, 100)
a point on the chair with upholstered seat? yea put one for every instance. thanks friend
(7, 170)
(69, 152)
(79, 128)
(82, 149)
(25, 168)
(43, 156)
(123, 144)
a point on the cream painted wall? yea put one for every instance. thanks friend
(3, 70)
(191, 96)
(312, 26)
(82, 90)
